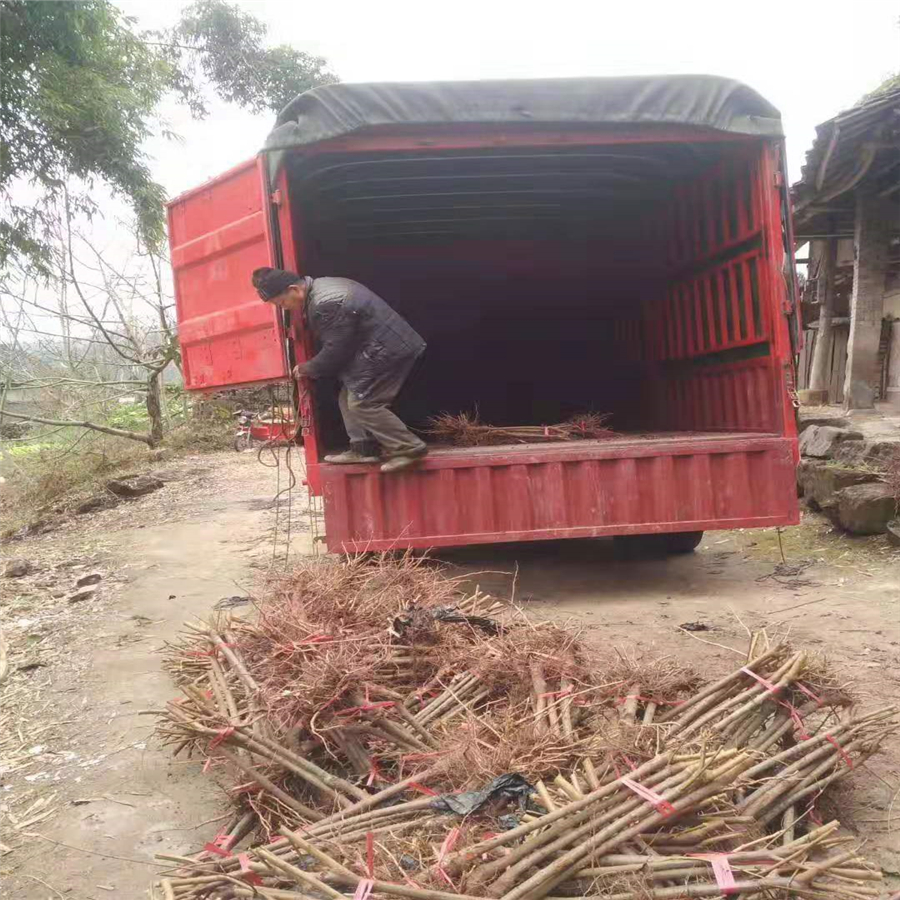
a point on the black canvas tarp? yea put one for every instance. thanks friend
(702, 101)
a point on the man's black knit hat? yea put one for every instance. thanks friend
(269, 283)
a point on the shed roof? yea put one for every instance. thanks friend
(861, 143)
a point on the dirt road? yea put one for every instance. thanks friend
(87, 798)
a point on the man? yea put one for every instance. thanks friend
(367, 346)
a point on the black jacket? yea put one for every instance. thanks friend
(361, 337)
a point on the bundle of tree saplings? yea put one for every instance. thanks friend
(381, 731)
(467, 430)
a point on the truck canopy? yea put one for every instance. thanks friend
(702, 101)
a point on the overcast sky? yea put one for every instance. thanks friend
(810, 58)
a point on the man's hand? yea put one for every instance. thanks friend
(299, 372)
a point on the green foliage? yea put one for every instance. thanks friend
(131, 417)
(228, 47)
(78, 92)
(79, 89)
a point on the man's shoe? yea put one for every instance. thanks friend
(350, 458)
(404, 460)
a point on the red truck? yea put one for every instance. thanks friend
(610, 245)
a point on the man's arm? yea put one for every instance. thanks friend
(337, 330)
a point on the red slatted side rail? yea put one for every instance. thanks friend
(714, 306)
(739, 396)
(718, 309)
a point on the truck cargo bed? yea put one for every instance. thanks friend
(630, 484)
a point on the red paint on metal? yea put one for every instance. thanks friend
(724, 242)
(218, 234)
(587, 489)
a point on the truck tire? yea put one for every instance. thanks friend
(683, 541)
(636, 546)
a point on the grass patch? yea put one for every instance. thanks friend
(48, 478)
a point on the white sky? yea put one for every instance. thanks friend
(811, 58)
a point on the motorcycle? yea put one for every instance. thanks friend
(243, 438)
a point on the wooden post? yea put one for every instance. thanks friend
(820, 375)
(873, 221)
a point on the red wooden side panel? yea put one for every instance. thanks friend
(577, 490)
(710, 306)
(741, 396)
(218, 234)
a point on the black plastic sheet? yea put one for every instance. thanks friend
(504, 787)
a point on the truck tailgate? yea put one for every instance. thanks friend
(630, 484)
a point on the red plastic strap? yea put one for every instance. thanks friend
(721, 869)
(221, 735)
(809, 693)
(422, 789)
(844, 755)
(659, 803)
(246, 872)
(771, 688)
(364, 889)
(374, 772)
(220, 844)
(563, 693)
(418, 757)
(798, 721)
(370, 854)
(448, 845)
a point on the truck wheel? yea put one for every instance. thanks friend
(683, 541)
(636, 546)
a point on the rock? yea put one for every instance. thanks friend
(82, 594)
(893, 532)
(820, 481)
(18, 568)
(876, 453)
(836, 421)
(101, 501)
(134, 486)
(86, 580)
(865, 508)
(820, 441)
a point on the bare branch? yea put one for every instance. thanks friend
(77, 286)
(103, 429)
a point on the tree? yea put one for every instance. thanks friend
(218, 43)
(108, 334)
(79, 91)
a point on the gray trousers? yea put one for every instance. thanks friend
(369, 417)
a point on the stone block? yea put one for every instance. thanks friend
(820, 481)
(808, 421)
(874, 453)
(820, 441)
(135, 486)
(865, 508)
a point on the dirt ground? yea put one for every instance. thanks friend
(87, 799)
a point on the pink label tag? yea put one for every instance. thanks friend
(771, 688)
(660, 804)
(364, 889)
(721, 869)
